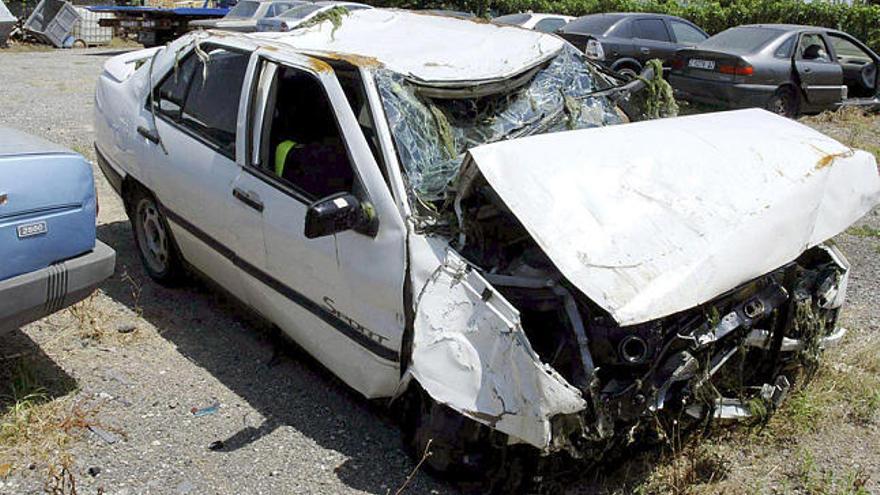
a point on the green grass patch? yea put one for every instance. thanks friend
(864, 231)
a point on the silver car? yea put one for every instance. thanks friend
(294, 18)
(246, 13)
(787, 69)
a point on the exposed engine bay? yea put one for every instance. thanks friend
(733, 357)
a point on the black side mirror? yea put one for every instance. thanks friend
(338, 213)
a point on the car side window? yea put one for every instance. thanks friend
(302, 143)
(812, 47)
(786, 48)
(549, 25)
(211, 105)
(651, 29)
(848, 51)
(685, 33)
(169, 95)
(204, 97)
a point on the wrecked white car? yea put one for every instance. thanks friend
(444, 212)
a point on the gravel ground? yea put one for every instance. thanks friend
(137, 358)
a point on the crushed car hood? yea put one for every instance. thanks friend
(652, 218)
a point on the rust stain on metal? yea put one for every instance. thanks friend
(319, 65)
(356, 60)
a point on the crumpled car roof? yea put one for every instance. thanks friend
(656, 217)
(426, 48)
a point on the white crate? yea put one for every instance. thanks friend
(87, 32)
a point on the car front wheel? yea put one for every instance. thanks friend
(784, 102)
(152, 235)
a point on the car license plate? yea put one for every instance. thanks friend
(701, 64)
(32, 229)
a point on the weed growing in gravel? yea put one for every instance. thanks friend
(864, 231)
(88, 318)
(136, 288)
(810, 478)
(845, 387)
(692, 469)
(850, 125)
(34, 427)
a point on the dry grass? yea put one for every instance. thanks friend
(846, 387)
(844, 390)
(849, 125)
(20, 47)
(36, 428)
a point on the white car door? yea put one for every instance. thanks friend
(193, 163)
(339, 296)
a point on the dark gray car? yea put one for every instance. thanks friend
(625, 41)
(785, 68)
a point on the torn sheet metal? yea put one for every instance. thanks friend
(432, 134)
(652, 218)
(470, 353)
(492, 52)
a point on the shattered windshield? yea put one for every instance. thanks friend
(432, 134)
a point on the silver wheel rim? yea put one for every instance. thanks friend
(781, 104)
(152, 238)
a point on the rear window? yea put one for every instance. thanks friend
(549, 25)
(301, 12)
(592, 24)
(244, 9)
(515, 19)
(741, 39)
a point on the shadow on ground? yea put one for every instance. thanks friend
(25, 369)
(289, 388)
(272, 374)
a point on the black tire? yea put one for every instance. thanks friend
(461, 449)
(153, 239)
(784, 102)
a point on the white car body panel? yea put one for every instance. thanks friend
(494, 52)
(650, 230)
(471, 353)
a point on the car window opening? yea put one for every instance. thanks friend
(203, 96)
(304, 145)
(352, 84)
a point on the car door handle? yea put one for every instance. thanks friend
(645, 50)
(808, 70)
(248, 199)
(151, 136)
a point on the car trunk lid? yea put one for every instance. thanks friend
(701, 204)
(711, 65)
(47, 204)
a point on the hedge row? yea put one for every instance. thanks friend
(861, 20)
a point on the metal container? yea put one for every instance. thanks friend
(52, 21)
(87, 31)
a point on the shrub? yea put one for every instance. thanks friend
(861, 20)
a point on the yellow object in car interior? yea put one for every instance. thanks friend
(281, 152)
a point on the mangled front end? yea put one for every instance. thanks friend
(592, 291)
